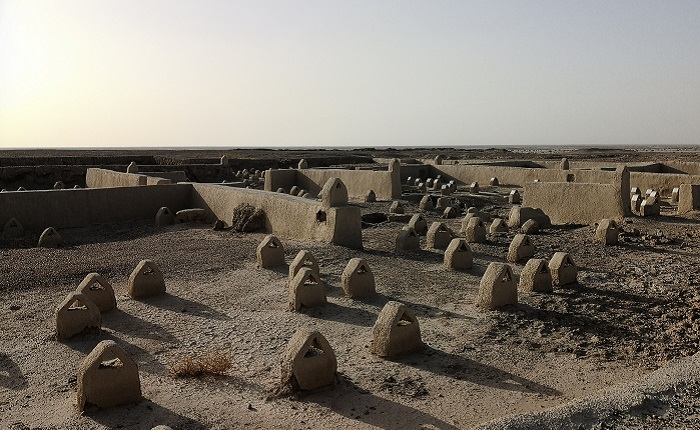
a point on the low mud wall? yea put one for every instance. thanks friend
(103, 178)
(286, 215)
(664, 182)
(578, 203)
(386, 184)
(36, 210)
(519, 176)
(688, 198)
(174, 176)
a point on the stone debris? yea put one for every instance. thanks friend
(519, 215)
(191, 215)
(248, 219)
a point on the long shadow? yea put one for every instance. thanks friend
(639, 247)
(584, 323)
(368, 409)
(123, 322)
(86, 343)
(143, 415)
(11, 375)
(614, 296)
(179, 304)
(465, 369)
(415, 255)
(282, 270)
(420, 309)
(336, 312)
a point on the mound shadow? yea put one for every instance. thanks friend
(465, 369)
(11, 376)
(143, 415)
(369, 409)
(173, 303)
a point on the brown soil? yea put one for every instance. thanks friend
(635, 307)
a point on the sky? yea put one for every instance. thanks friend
(359, 73)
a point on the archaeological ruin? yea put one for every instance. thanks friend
(581, 285)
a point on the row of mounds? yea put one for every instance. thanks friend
(107, 376)
(309, 361)
(498, 285)
(82, 309)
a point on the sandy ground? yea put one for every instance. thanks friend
(635, 307)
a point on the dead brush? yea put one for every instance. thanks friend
(212, 364)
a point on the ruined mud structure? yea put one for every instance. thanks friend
(458, 325)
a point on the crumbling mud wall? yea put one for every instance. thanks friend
(103, 178)
(574, 202)
(468, 173)
(662, 182)
(285, 215)
(36, 210)
(386, 184)
(519, 176)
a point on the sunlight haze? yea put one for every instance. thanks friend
(348, 73)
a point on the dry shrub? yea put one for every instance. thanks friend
(213, 364)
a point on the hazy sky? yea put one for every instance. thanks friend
(96, 73)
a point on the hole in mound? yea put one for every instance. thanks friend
(77, 306)
(404, 320)
(107, 364)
